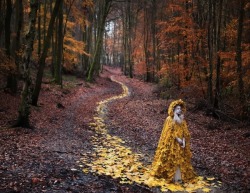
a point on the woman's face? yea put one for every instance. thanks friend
(177, 110)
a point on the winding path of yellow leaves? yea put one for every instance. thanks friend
(111, 156)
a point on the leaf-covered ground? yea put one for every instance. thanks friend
(49, 157)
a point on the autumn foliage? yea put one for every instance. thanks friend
(183, 44)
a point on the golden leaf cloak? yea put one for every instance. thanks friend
(169, 153)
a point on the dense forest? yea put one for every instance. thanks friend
(203, 45)
(82, 79)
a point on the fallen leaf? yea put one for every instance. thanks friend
(206, 190)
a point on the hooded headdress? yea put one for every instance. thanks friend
(174, 104)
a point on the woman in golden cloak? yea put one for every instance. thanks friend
(172, 160)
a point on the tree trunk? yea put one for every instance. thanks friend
(39, 30)
(125, 42)
(58, 64)
(102, 15)
(129, 28)
(154, 40)
(23, 116)
(46, 46)
(11, 79)
(2, 11)
(87, 38)
(19, 25)
(45, 19)
(7, 26)
(146, 44)
(210, 53)
(185, 52)
(242, 98)
(217, 93)
(53, 44)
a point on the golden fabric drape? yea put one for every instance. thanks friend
(169, 154)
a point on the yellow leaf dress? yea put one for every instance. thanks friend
(169, 153)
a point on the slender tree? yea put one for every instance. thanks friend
(11, 79)
(60, 35)
(217, 92)
(241, 90)
(7, 26)
(87, 38)
(2, 18)
(16, 43)
(155, 52)
(210, 50)
(53, 43)
(146, 42)
(39, 30)
(103, 10)
(45, 18)
(24, 109)
(46, 46)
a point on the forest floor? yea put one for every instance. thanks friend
(48, 157)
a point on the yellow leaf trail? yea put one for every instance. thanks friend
(113, 158)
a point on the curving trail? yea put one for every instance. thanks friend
(110, 155)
